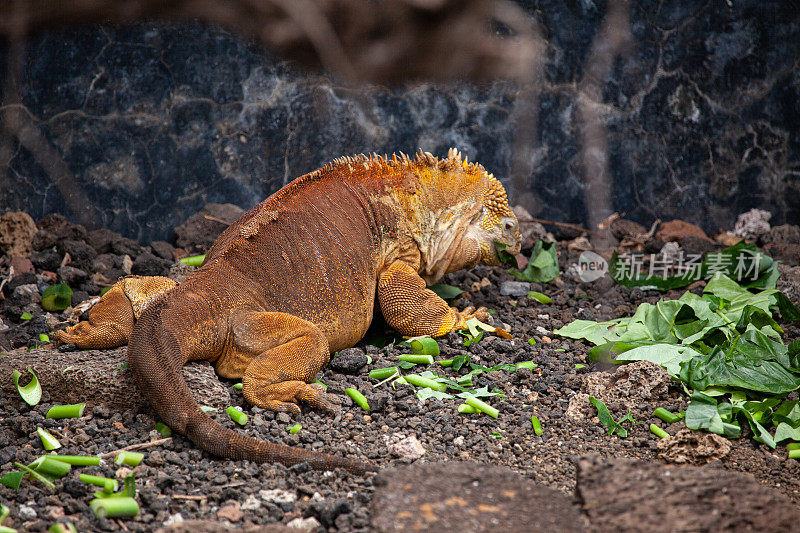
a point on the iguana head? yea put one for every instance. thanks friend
(458, 214)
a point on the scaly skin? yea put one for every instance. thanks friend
(295, 279)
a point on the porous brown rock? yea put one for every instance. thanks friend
(16, 234)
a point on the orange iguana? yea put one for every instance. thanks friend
(295, 279)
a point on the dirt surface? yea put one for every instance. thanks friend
(178, 483)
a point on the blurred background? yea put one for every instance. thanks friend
(655, 110)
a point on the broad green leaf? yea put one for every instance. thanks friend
(594, 332)
(669, 356)
(785, 431)
(543, 265)
(446, 292)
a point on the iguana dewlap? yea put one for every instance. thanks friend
(296, 278)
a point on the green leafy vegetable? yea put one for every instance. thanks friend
(543, 265)
(608, 421)
(446, 292)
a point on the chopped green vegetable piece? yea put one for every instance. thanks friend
(530, 365)
(48, 441)
(237, 415)
(112, 507)
(12, 480)
(537, 426)
(35, 475)
(321, 383)
(44, 337)
(532, 341)
(794, 454)
(130, 458)
(77, 460)
(793, 446)
(424, 345)
(666, 416)
(32, 392)
(579, 366)
(658, 432)
(608, 421)
(57, 297)
(482, 406)
(238, 386)
(25, 316)
(466, 409)
(66, 411)
(50, 466)
(108, 485)
(384, 373)
(446, 362)
(358, 398)
(208, 409)
(420, 381)
(417, 359)
(194, 261)
(539, 297)
(4, 512)
(163, 429)
(295, 429)
(6, 529)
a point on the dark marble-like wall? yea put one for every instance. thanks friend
(703, 116)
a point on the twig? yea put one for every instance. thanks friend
(139, 446)
(192, 497)
(215, 219)
(565, 225)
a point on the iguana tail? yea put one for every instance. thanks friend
(156, 363)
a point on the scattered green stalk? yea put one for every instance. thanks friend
(44, 337)
(108, 485)
(295, 429)
(6, 529)
(530, 365)
(794, 454)
(236, 415)
(446, 362)
(537, 426)
(132, 458)
(358, 398)
(238, 386)
(36, 475)
(113, 507)
(208, 409)
(50, 466)
(163, 429)
(193, 261)
(32, 392)
(77, 460)
(384, 373)
(66, 411)
(658, 432)
(539, 297)
(417, 359)
(420, 381)
(466, 409)
(482, 406)
(793, 446)
(667, 416)
(48, 441)
(424, 345)
(25, 316)
(4, 512)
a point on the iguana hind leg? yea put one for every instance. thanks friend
(277, 354)
(110, 321)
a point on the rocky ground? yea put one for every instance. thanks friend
(568, 472)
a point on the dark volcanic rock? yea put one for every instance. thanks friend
(156, 121)
(627, 495)
(460, 496)
(349, 361)
(149, 265)
(200, 231)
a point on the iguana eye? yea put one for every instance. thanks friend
(508, 224)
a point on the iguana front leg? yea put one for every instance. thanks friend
(412, 309)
